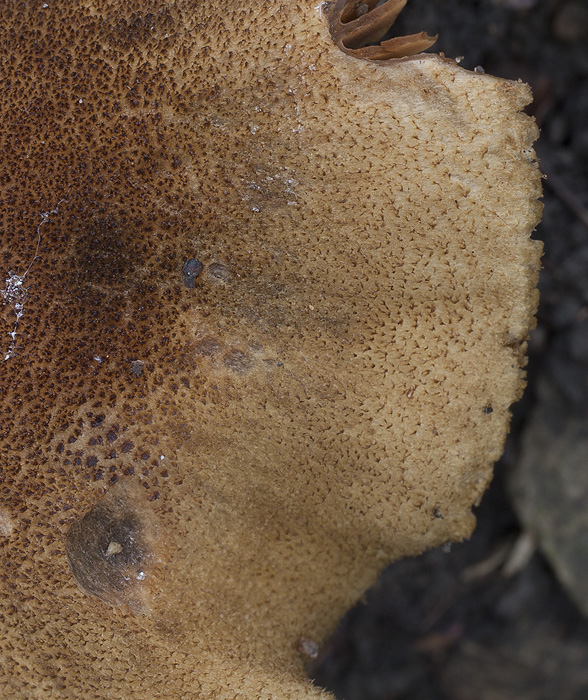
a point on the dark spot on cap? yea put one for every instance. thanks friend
(207, 346)
(137, 367)
(104, 254)
(127, 446)
(219, 272)
(106, 550)
(238, 361)
(191, 269)
(488, 409)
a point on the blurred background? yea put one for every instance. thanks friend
(504, 616)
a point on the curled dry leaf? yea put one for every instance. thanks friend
(358, 28)
(326, 395)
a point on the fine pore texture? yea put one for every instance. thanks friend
(265, 310)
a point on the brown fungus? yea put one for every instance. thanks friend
(310, 409)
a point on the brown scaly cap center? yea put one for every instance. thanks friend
(358, 25)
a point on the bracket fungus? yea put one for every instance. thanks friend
(204, 465)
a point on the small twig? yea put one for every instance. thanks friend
(520, 555)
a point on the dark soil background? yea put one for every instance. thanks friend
(489, 620)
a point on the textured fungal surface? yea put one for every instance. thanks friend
(264, 312)
(107, 550)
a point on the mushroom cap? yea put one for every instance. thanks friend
(195, 476)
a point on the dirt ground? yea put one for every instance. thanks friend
(488, 620)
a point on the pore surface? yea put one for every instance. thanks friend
(271, 326)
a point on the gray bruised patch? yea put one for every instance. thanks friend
(107, 551)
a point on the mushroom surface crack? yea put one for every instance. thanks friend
(358, 27)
